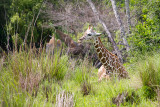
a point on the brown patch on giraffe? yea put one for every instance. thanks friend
(100, 55)
(96, 41)
(106, 64)
(104, 55)
(96, 46)
(98, 50)
(120, 70)
(116, 60)
(103, 60)
(103, 50)
(116, 65)
(106, 58)
(113, 61)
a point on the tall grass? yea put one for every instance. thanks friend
(24, 73)
(150, 75)
(31, 79)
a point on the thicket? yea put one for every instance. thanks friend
(145, 35)
(22, 21)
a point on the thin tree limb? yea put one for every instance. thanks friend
(120, 24)
(26, 35)
(33, 22)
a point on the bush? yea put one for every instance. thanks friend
(82, 71)
(145, 36)
(54, 67)
(150, 76)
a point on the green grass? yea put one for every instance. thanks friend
(31, 79)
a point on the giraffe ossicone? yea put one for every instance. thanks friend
(110, 61)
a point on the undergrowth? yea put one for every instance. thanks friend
(31, 79)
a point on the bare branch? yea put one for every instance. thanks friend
(120, 24)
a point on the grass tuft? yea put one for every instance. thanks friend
(85, 88)
(150, 76)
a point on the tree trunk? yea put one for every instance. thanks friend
(106, 29)
(128, 16)
(120, 25)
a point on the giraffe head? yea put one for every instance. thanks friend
(89, 34)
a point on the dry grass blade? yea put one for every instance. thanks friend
(64, 99)
(30, 82)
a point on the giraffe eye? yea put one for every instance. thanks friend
(89, 35)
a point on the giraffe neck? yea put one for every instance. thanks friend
(102, 52)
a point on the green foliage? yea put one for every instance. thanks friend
(150, 76)
(26, 19)
(146, 34)
(54, 67)
(60, 67)
(81, 74)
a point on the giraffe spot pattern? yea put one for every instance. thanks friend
(106, 64)
(109, 60)
(98, 50)
(96, 46)
(103, 50)
(104, 54)
(103, 60)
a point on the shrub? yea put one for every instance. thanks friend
(150, 76)
(81, 73)
(85, 88)
(54, 67)
(145, 36)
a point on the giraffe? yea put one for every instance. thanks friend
(53, 45)
(110, 61)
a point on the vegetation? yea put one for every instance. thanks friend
(30, 77)
(146, 34)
